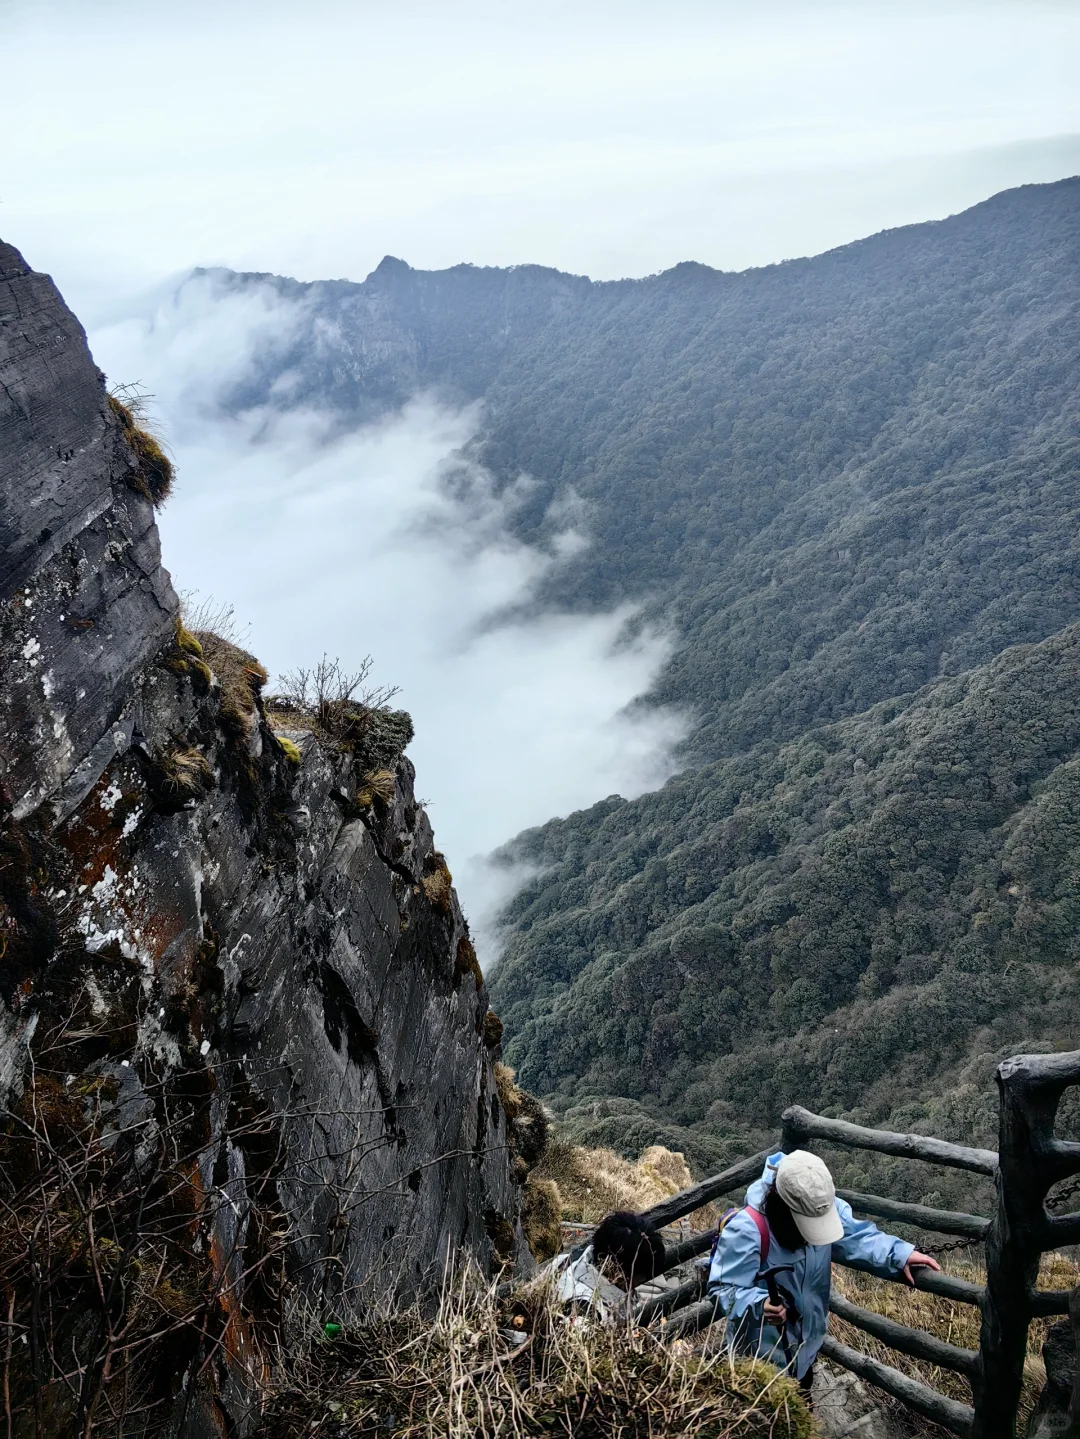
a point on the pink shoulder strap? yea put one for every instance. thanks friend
(764, 1233)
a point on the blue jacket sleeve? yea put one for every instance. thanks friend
(734, 1268)
(865, 1245)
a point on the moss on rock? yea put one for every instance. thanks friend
(491, 1028)
(378, 737)
(466, 962)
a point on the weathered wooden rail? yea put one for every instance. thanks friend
(1029, 1162)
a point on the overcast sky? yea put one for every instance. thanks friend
(142, 138)
(146, 136)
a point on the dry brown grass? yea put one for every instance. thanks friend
(184, 774)
(594, 1182)
(510, 1095)
(955, 1323)
(377, 784)
(151, 474)
(541, 1218)
(460, 1375)
(438, 886)
(241, 677)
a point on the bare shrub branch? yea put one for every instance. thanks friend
(100, 1200)
(323, 688)
(136, 399)
(216, 617)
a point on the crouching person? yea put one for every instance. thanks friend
(792, 1228)
(598, 1280)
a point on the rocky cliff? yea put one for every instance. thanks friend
(245, 1052)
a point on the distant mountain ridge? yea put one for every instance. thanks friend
(744, 446)
(844, 482)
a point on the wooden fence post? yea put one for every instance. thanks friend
(1030, 1161)
(1012, 1265)
(792, 1133)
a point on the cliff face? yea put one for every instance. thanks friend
(240, 992)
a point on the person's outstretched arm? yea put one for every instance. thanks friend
(865, 1245)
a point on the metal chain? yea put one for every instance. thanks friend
(1068, 1191)
(1058, 1201)
(950, 1244)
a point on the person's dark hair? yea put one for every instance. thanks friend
(780, 1220)
(636, 1249)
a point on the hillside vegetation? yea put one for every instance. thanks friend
(848, 485)
(593, 1182)
(843, 920)
(836, 478)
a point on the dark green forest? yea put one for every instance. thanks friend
(849, 486)
(860, 920)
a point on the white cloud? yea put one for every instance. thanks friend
(356, 543)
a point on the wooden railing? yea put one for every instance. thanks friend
(1029, 1162)
(801, 1129)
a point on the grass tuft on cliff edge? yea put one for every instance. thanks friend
(241, 676)
(152, 472)
(518, 1368)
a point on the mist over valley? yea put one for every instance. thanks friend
(540, 720)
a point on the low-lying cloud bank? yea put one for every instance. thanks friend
(382, 540)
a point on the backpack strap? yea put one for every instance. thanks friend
(764, 1233)
(725, 1219)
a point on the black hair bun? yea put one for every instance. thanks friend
(636, 1248)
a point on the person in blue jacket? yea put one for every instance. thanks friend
(793, 1217)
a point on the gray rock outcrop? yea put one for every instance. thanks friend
(241, 991)
(1057, 1414)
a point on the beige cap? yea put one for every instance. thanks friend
(805, 1185)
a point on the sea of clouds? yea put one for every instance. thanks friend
(384, 540)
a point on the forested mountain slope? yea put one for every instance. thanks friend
(845, 920)
(836, 477)
(849, 485)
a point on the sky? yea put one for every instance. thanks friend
(608, 139)
(144, 138)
